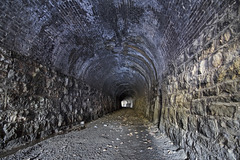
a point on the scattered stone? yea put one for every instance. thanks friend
(150, 148)
(82, 124)
(105, 149)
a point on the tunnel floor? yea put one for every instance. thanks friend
(121, 135)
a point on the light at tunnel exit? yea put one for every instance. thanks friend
(127, 103)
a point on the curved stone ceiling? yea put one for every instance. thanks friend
(118, 46)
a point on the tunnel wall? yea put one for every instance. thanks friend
(142, 105)
(146, 104)
(36, 101)
(201, 96)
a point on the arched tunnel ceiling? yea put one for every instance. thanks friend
(115, 45)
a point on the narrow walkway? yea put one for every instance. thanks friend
(122, 135)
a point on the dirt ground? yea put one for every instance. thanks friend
(122, 135)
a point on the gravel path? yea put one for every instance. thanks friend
(121, 135)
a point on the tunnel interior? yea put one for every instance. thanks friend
(175, 61)
(111, 45)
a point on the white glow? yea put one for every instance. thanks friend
(128, 102)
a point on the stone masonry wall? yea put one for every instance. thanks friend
(36, 101)
(201, 98)
(145, 104)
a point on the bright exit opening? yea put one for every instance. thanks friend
(127, 103)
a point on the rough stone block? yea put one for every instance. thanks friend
(189, 139)
(217, 59)
(220, 75)
(228, 72)
(210, 92)
(170, 89)
(236, 66)
(236, 97)
(196, 94)
(203, 141)
(198, 107)
(235, 28)
(182, 86)
(207, 127)
(238, 86)
(172, 115)
(227, 35)
(203, 67)
(229, 88)
(192, 123)
(180, 98)
(221, 109)
(172, 100)
(182, 118)
(232, 127)
(180, 70)
(221, 98)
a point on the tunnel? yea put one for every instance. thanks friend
(177, 62)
